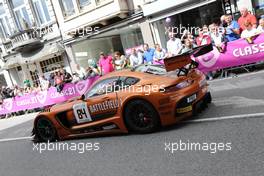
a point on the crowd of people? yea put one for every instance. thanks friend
(216, 34)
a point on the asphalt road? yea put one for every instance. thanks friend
(237, 119)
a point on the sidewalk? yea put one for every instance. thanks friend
(13, 121)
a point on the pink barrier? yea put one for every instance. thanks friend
(237, 53)
(46, 98)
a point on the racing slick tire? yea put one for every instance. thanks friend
(44, 131)
(141, 117)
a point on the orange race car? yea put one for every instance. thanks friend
(138, 100)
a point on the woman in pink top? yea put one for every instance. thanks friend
(105, 64)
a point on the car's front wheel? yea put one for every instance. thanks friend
(45, 130)
(141, 117)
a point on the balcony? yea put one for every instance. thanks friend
(25, 39)
(30, 38)
(98, 12)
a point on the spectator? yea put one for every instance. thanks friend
(58, 81)
(105, 64)
(44, 83)
(261, 25)
(148, 54)
(27, 83)
(119, 61)
(246, 16)
(17, 91)
(67, 78)
(136, 58)
(159, 55)
(80, 71)
(91, 72)
(75, 77)
(204, 37)
(174, 45)
(218, 39)
(249, 31)
(222, 21)
(187, 35)
(188, 46)
(51, 79)
(232, 30)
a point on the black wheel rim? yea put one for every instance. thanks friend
(142, 117)
(45, 129)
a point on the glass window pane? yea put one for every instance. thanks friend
(17, 3)
(38, 12)
(68, 7)
(26, 17)
(2, 10)
(19, 19)
(45, 9)
(7, 25)
(4, 27)
(2, 32)
(84, 3)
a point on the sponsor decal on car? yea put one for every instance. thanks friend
(106, 105)
(184, 110)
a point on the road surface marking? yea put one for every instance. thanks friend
(242, 116)
(15, 139)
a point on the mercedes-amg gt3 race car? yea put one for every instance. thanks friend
(138, 100)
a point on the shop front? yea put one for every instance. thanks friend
(118, 39)
(188, 16)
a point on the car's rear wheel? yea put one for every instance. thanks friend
(45, 130)
(141, 117)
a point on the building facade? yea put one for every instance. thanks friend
(93, 26)
(30, 41)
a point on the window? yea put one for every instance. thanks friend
(67, 7)
(103, 87)
(5, 29)
(21, 14)
(41, 11)
(84, 3)
(52, 64)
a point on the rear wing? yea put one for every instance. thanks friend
(181, 61)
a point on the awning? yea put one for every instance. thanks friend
(178, 10)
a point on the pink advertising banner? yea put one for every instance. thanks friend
(46, 98)
(239, 52)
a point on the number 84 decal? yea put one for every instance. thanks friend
(81, 113)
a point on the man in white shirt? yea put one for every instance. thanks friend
(261, 25)
(174, 45)
(80, 71)
(249, 31)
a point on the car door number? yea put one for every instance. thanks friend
(81, 113)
